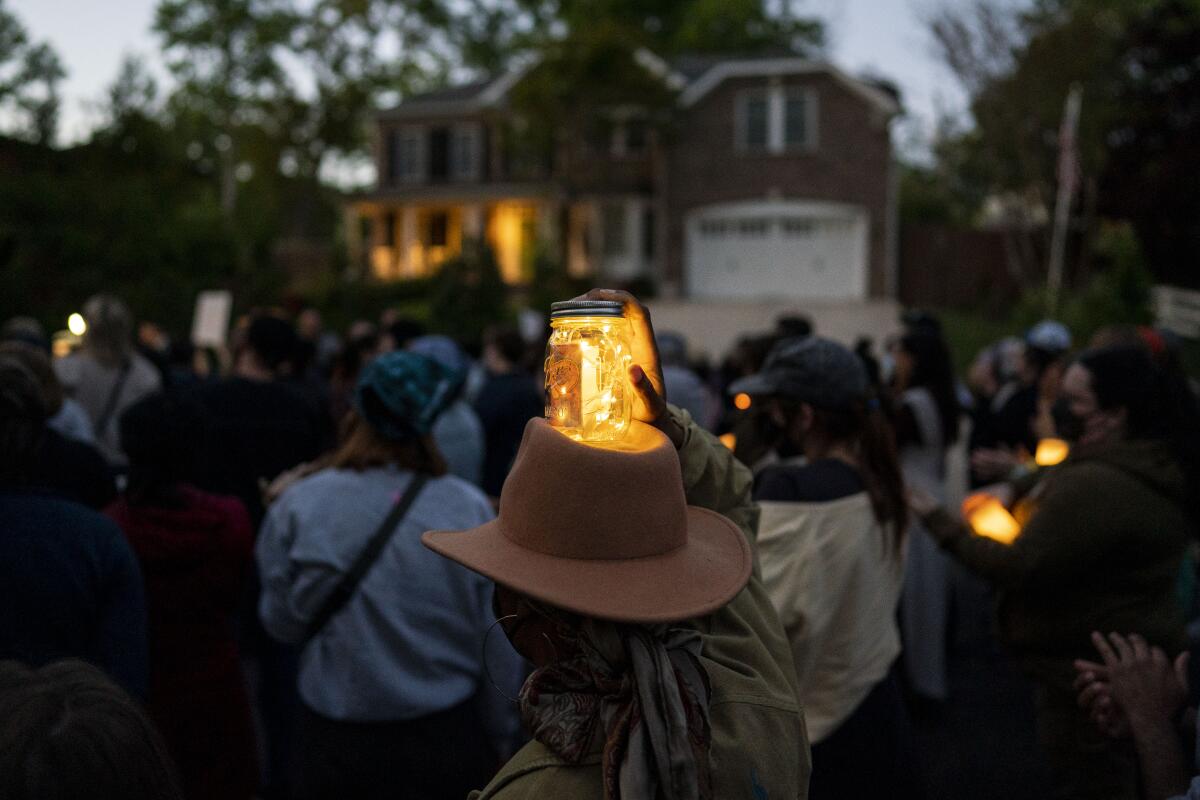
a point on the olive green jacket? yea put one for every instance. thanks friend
(759, 744)
(1101, 551)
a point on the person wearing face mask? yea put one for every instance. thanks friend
(1100, 550)
(832, 541)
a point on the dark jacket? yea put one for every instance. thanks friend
(1101, 551)
(69, 588)
(196, 558)
(256, 430)
(74, 470)
(504, 405)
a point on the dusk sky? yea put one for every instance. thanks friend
(885, 37)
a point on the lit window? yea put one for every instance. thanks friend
(389, 229)
(439, 225)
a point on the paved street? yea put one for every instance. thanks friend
(981, 745)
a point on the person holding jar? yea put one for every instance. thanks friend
(1100, 550)
(600, 553)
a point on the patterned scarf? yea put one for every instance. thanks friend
(642, 688)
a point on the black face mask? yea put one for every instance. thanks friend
(1067, 423)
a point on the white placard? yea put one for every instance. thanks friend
(210, 324)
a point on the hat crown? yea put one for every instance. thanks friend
(573, 500)
(817, 371)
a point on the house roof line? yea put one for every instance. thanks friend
(492, 94)
(489, 95)
(756, 68)
(657, 66)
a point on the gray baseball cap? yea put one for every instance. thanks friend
(813, 370)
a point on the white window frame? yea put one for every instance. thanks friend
(470, 133)
(809, 96)
(776, 95)
(415, 170)
(742, 120)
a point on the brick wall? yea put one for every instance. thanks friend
(851, 164)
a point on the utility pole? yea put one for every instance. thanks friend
(1068, 182)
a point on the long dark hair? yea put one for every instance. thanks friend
(362, 447)
(1158, 403)
(933, 370)
(865, 427)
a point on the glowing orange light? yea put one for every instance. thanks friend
(1051, 452)
(987, 517)
(741, 401)
(729, 440)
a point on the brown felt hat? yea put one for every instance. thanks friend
(604, 531)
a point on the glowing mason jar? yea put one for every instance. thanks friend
(588, 396)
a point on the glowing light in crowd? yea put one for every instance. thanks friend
(987, 517)
(1051, 452)
(729, 440)
(76, 324)
(742, 401)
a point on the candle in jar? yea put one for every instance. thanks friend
(1051, 452)
(588, 396)
(988, 517)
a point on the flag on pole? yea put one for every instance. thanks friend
(1068, 184)
(1068, 146)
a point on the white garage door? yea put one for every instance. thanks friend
(777, 249)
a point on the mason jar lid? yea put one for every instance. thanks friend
(585, 308)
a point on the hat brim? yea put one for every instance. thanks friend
(688, 582)
(753, 385)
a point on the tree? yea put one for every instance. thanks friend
(134, 93)
(1135, 60)
(488, 35)
(356, 53)
(29, 77)
(226, 56)
(1155, 141)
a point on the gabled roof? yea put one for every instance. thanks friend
(720, 71)
(461, 99)
(693, 76)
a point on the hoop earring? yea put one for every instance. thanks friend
(483, 659)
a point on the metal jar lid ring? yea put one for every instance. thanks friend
(586, 308)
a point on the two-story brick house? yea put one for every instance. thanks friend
(776, 180)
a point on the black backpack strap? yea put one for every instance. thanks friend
(346, 587)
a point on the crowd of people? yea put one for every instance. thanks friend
(360, 566)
